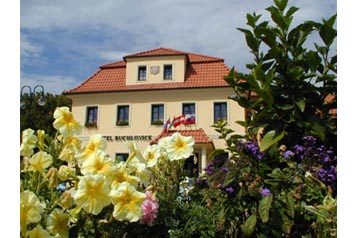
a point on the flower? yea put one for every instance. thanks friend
(72, 146)
(265, 191)
(64, 172)
(98, 163)
(127, 202)
(40, 161)
(93, 193)
(180, 147)
(229, 190)
(150, 209)
(28, 142)
(121, 175)
(65, 123)
(288, 154)
(151, 155)
(38, 232)
(57, 223)
(30, 209)
(96, 142)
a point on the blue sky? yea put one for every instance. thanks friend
(62, 43)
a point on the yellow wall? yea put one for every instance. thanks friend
(178, 62)
(140, 113)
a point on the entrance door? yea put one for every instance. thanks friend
(192, 165)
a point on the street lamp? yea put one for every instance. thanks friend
(41, 101)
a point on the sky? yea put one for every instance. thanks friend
(62, 43)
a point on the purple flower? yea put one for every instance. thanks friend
(265, 191)
(251, 148)
(210, 168)
(310, 140)
(288, 154)
(225, 169)
(229, 190)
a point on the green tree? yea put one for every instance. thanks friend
(290, 90)
(41, 117)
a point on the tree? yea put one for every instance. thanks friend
(41, 117)
(290, 91)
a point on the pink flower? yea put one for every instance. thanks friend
(150, 209)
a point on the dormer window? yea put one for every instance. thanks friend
(168, 71)
(142, 73)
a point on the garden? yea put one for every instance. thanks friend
(279, 180)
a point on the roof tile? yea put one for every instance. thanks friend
(202, 72)
(199, 135)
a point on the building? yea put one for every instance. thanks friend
(133, 99)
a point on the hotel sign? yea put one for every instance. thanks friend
(129, 138)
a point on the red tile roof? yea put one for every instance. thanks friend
(202, 72)
(199, 135)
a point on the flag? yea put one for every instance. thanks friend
(178, 120)
(189, 119)
(166, 125)
(171, 124)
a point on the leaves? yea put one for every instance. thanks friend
(249, 225)
(264, 208)
(270, 138)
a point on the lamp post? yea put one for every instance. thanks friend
(41, 101)
(32, 92)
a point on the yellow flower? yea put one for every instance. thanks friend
(180, 147)
(72, 146)
(40, 161)
(28, 142)
(38, 232)
(98, 163)
(96, 142)
(65, 123)
(152, 154)
(64, 172)
(135, 152)
(57, 223)
(121, 175)
(93, 193)
(30, 209)
(127, 202)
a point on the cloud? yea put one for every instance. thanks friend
(72, 38)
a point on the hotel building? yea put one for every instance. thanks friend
(132, 99)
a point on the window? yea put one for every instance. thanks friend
(188, 108)
(122, 115)
(121, 157)
(168, 71)
(91, 117)
(220, 111)
(157, 114)
(142, 73)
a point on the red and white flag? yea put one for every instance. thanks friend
(178, 120)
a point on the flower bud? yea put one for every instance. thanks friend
(66, 200)
(52, 178)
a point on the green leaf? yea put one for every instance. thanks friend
(270, 138)
(301, 104)
(291, 11)
(249, 225)
(290, 203)
(281, 4)
(264, 208)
